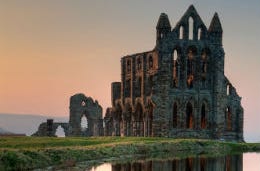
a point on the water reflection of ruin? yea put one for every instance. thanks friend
(226, 163)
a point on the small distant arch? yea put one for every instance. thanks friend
(191, 25)
(60, 132)
(181, 32)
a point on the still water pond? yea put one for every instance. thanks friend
(241, 162)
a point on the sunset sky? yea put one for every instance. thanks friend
(52, 49)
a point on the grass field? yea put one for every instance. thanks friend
(20, 153)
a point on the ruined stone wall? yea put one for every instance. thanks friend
(49, 128)
(80, 106)
(179, 89)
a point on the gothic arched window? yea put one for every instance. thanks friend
(199, 33)
(190, 69)
(175, 68)
(181, 33)
(189, 116)
(191, 24)
(203, 124)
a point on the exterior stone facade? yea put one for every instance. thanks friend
(80, 106)
(179, 88)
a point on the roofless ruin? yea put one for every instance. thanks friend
(178, 89)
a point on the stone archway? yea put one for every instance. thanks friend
(82, 106)
(60, 132)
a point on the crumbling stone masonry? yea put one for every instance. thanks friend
(179, 88)
(80, 106)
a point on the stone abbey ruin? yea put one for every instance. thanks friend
(178, 89)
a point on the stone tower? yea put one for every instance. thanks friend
(179, 88)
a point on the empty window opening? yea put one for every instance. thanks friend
(60, 132)
(228, 89)
(228, 119)
(175, 68)
(139, 64)
(189, 116)
(203, 117)
(84, 123)
(128, 66)
(175, 55)
(199, 33)
(181, 32)
(150, 62)
(190, 70)
(175, 117)
(83, 103)
(191, 23)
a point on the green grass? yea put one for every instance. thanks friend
(20, 153)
